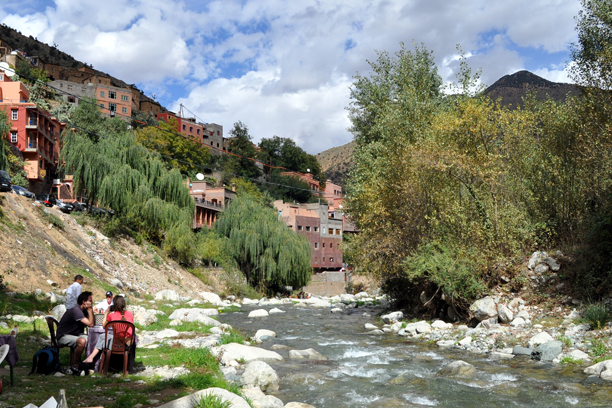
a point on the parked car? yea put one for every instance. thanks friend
(48, 200)
(5, 181)
(64, 207)
(79, 206)
(22, 191)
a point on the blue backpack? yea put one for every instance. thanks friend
(45, 361)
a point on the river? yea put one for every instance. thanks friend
(383, 371)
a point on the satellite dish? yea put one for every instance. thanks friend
(308, 170)
(4, 67)
(4, 349)
(200, 176)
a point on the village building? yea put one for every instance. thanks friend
(210, 201)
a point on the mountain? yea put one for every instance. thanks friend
(512, 88)
(336, 162)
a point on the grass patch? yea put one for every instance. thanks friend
(233, 336)
(52, 218)
(565, 340)
(570, 360)
(211, 401)
(597, 315)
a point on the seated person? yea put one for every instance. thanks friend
(105, 304)
(71, 327)
(119, 314)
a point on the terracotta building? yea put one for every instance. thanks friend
(33, 132)
(209, 134)
(210, 201)
(324, 233)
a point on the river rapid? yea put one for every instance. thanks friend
(385, 371)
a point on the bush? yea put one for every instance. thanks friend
(211, 401)
(52, 219)
(598, 315)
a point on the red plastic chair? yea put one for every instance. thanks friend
(123, 340)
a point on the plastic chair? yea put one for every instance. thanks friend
(123, 340)
(52, 323)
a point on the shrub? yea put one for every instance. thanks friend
(598, 315)
(211, 401)
(52, 219)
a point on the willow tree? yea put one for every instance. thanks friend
(267, 252)
(111, 169)
(4, 131)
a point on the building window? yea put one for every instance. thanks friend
(71, 99)
(211, 143)
(112, 94)
(125, 98)
(69, 87)
(14, 114)
(191, 129)
(324, 245)
(218, 133)
(13, 136)
(323, 259)
(198, 131)
(299, 227)
(184, 127)
(331, 231)
(112, 107)
(217, 144)
(331, 245)
(308, 228)
(102, 94)
(316, 259)
(316, 229)
(124, 110)
(323, 230)
(337, 232)
(316, 245)
(102, 105)
(331, 259)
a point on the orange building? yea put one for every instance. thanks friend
(210, 201)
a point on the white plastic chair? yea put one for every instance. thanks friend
(4, 349)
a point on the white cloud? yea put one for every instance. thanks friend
(284, 68)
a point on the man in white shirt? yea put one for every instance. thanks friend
(105, 304)
(73, 292)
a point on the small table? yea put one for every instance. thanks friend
(13, 356)
(93, 334)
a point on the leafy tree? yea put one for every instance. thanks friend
(5, 128)
(240, 164)
(175, 149)
(267, 252)
(283, 152)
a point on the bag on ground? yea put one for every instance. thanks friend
(45, 361)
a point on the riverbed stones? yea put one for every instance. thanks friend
(260, 374)
(445, 343)
(264, 334)
(168, 333)
(259, 313)
(505, 314)
(307, 354)
(418, 327)
(226, 396)
(517, 322)
(484, 308)
(547, 351)
(298, 405)
(211, 298)
(241, 352)
(441, 325)
(465, 341)
(522, 351)
(579, 355)
(458, 368)
(275, 311)
(370, 326)
(167, 294)
(392, 317)
(538, 339)
(602, 370)
(142, 316)
(260, 400)
(196, 315)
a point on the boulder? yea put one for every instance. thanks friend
(58, 311)
(247, 301)
(370, 326)
(168, 333)
(167, 294)
(260, 400)
(298, 405)
(196, 315)
(259, 313)
(308, 354)
(260, 374)
(263, 334)
(211, 298)
(484, 308)
(445, 343)
(515, 303)
(441, 325)
(235, 351)
(458, 368)
(540, 338)
(541, 268)
(142, 316)
(116, 283)
(276, 311)
(505, 314)
(602, 370)
(573, 329)
(521, 351)
(552, 264)
(361, 295)
(347, 298)
(392, 317)
(547, 351)
(536, 259)
(466, 341)
(418, 327)
(224, 395)
(579, 355)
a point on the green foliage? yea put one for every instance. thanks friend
(599, 350)
(567, 342)
(211, 401)
(5, 127)
(264, 249)
(283, 152)
(289, 189)
(233, 336)
(51, 218)
(240, 143)
(598, 315)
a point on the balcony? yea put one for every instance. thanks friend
(34, 123)
(208, 204)
(32, 147)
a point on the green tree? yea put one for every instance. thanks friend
(240, 161)
(267, 252)
(283, 152)
(5, 128)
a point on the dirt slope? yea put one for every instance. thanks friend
(34, 251)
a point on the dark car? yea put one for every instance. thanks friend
(64, 207)
(22, 191)
(5, 181)
(79, 206)
(48, 200)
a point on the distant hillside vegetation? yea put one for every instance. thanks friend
(512, 88)
(336, 162)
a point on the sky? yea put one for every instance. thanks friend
(285, 68)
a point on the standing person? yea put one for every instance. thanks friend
(105, 304)
(119, 314)
(73, 292)
(71, 328)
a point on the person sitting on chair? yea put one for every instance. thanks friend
(105, 304)
(71, 327)
(119, 314)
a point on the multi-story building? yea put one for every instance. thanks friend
(324, 233)
(113, 101)
(210, 201)
(209, 134)
(32, 131)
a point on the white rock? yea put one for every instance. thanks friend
(441, 325)
(466, 341)
(392, 317)
(418, 327)
(579, 355)
(276, 311)
(259, 313)
(58, 311)
(263, 333)
(211, 298)
(573, 329)
(396, 327)
(166, 334)
(216, 330)
(523, 314)
(541, 268)
(505, 314)
(445, 343)
(336, 310)
(517, 322)
(225, 395)
(260, 374)
(484, 308)
(603, 370)
(574, 314)
(361, 295)
(235, 351)
(540, 338)
(260, 400)
(348, 298)
(308, 354)
(536, 258)
(370, 326)
(167, 294)
(247, 301)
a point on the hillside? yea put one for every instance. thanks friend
(35, 250)
(336, 162)
(512, 88)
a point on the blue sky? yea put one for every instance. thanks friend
(285, 68)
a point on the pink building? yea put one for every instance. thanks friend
(210, 201)
(33, 131)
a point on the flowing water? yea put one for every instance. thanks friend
(366, 370)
